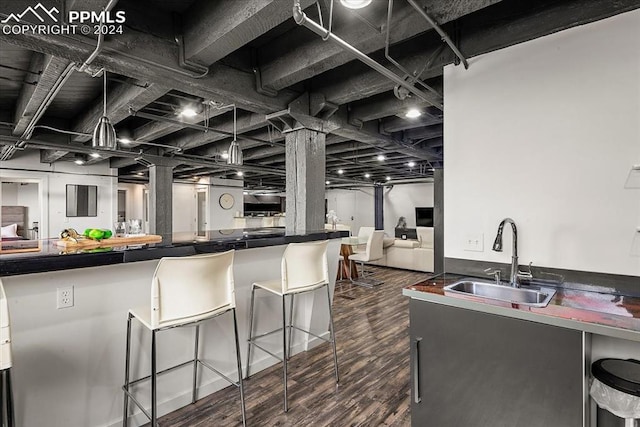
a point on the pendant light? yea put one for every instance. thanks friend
(104, 135)
(235, 153)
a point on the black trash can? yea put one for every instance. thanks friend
(616, 390)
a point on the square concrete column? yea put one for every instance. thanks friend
(305, 164)
(161, 201)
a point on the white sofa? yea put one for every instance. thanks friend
(410, 254)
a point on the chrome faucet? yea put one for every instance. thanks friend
(497, 246)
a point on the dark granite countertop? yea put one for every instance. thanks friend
(44, 255)
(594, 309)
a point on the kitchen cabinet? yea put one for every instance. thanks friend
(476, 369)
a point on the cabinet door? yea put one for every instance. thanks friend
(482, 370)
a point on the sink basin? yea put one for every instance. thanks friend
(535, 297)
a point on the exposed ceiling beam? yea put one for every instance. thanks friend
(214, 29)
(285, 62)
(499, 26)
(387, 104)
(150, 58)
(395, 124)
(32, 97)
(135, 95)
(426, 132)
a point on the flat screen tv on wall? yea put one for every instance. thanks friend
(424, 217)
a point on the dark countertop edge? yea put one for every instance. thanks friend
(533, 316)
(57, 262)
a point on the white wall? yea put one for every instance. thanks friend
(222, 219)
(401, 200)
(184, 208)
(52, 181)
(546, 132)
(10, 193)
(354, 208)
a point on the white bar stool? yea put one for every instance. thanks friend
(373, 251)
(185, 292)
(6, 392)
(304, 269)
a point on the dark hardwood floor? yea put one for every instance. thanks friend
(373, 358)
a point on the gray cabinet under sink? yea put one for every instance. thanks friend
(473, 369)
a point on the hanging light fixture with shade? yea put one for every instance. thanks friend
(235, 153)
(104, 135)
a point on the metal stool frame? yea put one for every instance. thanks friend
(153, 376)
(286, 349)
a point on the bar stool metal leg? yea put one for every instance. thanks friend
(125, 418)
(290, 324)
(154, 380)
(333, 336)
(10, 418)
(195, 364)
(253, 293)
(2, 386)
(240, 385)
(284, 351)
(6, 398)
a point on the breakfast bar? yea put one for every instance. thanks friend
(78, 352)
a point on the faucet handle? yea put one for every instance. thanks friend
(493, 272)
(526, 274)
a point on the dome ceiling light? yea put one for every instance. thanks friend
(355, 4)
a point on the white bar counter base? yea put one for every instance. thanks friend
(69, 363)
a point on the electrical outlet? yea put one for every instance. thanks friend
(474, 242)
(65, 297)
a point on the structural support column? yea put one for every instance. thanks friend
(438, 221)
(305, 164)
(378, 206)
(161, 201)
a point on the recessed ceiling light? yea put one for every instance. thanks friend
(381, 157)
(340, 171)
(411, 164)
(388, 178)
(355, 4)
(327, 182)
(78, 162)
(95, 155)
(124, 140)
(240, 173)
(367, 175)
(188, 112)
(224, 155)
(412, 113)
(245, 192)
(139, 174)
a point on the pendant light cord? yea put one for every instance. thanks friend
(104, 95)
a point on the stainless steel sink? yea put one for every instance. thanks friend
(532, 296)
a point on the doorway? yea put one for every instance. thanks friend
(122, 205)
(201, 212)
(21, 205)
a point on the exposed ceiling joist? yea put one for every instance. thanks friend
(282, 61)
(32, 97)
(119, 100)
(214, 29)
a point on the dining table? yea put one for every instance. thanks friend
(348, 268)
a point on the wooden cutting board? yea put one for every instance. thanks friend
(85, 243)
